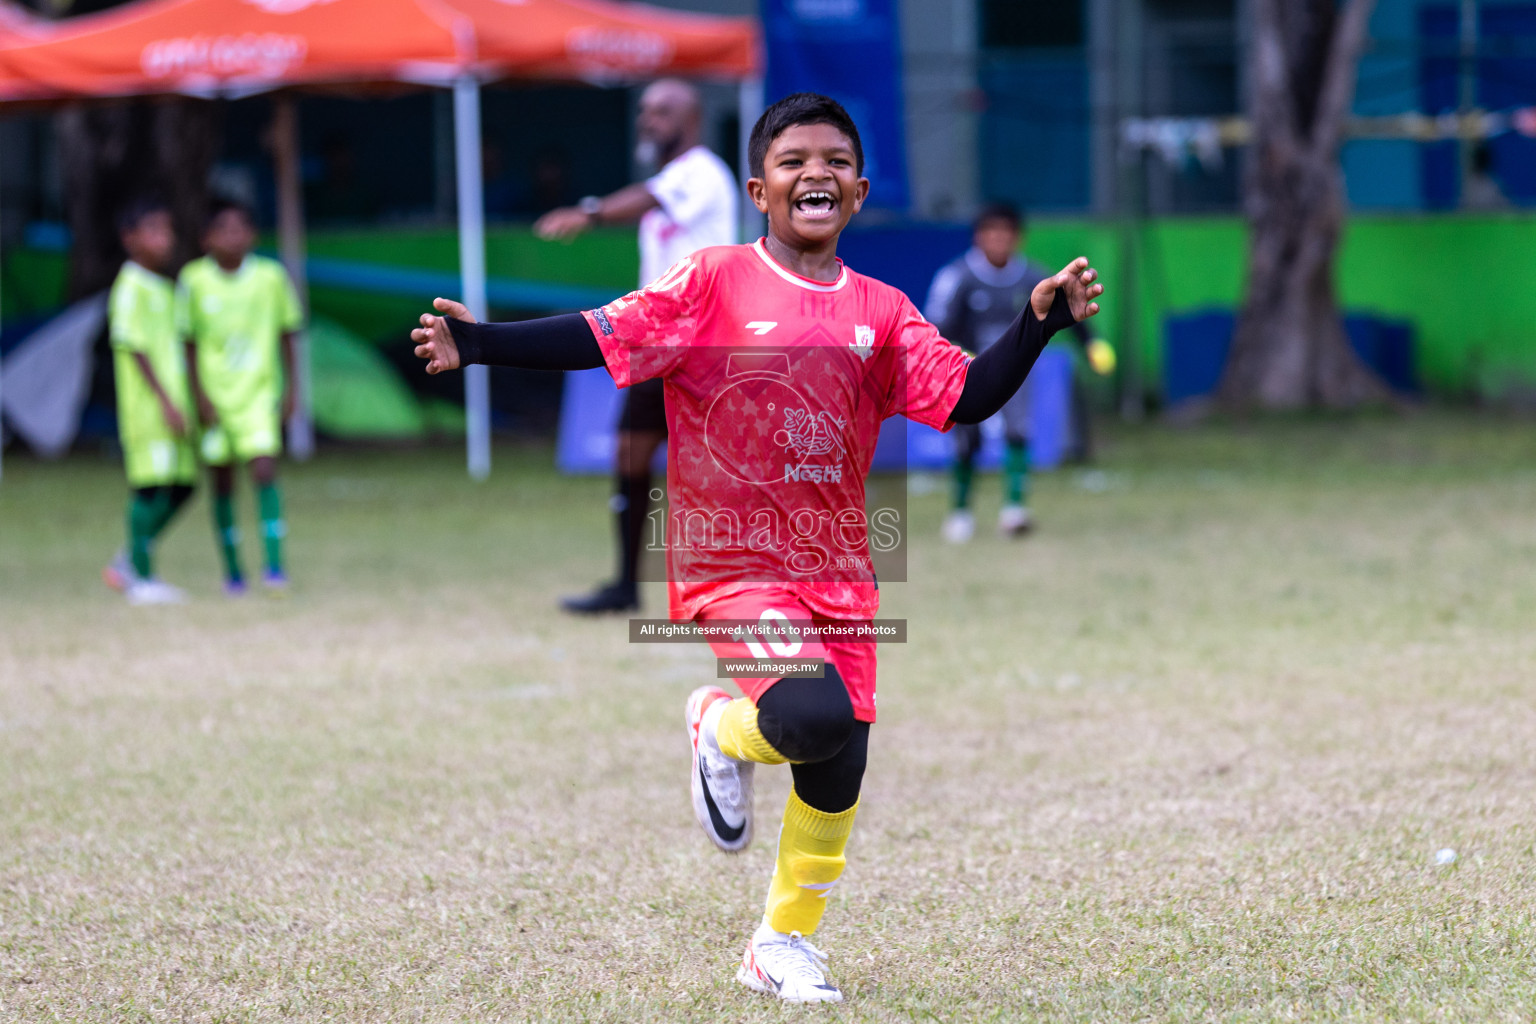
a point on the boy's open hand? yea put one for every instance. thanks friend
(434, 342)
(1076, 281)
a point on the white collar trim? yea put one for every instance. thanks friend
(761, 248)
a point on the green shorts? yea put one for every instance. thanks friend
(243, 434)
(157, 461)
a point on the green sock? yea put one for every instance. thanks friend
(1016, 467)
(273, 529)
(228, 536)
(964, 470)
(146, 515)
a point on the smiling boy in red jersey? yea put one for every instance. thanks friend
(779, 365)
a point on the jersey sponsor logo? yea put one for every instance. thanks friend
(762, 327)
(863, 343)
(813, 474)
(603, 323)
(806, 437)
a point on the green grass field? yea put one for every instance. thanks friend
(1187, 754)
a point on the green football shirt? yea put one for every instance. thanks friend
(238, 321)
(142, 315)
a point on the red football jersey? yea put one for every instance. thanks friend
(776, 386)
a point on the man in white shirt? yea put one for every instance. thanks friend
(689, 204)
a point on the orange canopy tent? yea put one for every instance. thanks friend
(233, 48)
(237, 47)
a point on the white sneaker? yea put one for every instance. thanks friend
(1014, 521)
(959, 527)
(119, 573)
(722, 786)
(153, 591)
(787, 966)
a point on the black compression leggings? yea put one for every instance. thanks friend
(175, 495)
(810, 721)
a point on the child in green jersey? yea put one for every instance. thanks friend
(238, 313)
(153, 406)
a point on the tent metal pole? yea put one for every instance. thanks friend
(291, 245)
(749, 107)
(471, 198)
(2, 369)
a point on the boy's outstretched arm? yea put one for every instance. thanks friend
(995, 375)
(453, 339)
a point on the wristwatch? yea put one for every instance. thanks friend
(592, 206)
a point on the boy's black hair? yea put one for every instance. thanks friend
(800, 108)
(224, 204)
(136, 209)
(999, 209)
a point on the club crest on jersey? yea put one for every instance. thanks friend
(863, 343)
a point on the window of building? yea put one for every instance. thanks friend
(1011, 24)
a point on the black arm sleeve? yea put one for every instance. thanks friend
(562, 342)
(997, 373)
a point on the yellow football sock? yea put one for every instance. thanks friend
(811, 845)
(739, 737)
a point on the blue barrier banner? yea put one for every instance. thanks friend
(848, 50)
(1052, 432)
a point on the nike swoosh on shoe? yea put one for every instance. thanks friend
(726, 831)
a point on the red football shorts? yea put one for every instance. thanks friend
(854, 661)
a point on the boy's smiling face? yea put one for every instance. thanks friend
(810, 186)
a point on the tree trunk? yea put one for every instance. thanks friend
(1289, 350)
(113, 153)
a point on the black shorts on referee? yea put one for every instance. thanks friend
(644, 408)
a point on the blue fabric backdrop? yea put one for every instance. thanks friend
(849, 50)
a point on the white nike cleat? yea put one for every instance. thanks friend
(118, 573)
(1014, 521)
(722, 786)
(959, 527)
(152, 591)
(786, 966)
